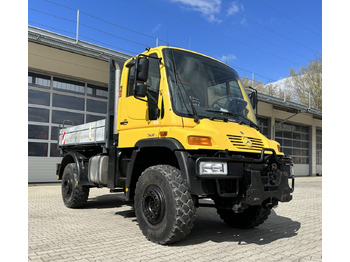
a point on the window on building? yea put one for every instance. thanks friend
(54, 133)
(263, 124)
(97, 91)
(96, 106)
(51, 100)
(69, 102)
(38, 114)
(318, 146)
(38, 132)
(38, 98)
(68, 85)
(53, 150)
(38, 80)
(92, 118)
(294, 140)
(59, 116)
(37, 149)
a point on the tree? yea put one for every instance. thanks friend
(258, 85)
(307, 83)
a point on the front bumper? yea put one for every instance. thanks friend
(252, 181)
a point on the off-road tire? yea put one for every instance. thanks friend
(163, 205)
(73, 195)
(251, 217)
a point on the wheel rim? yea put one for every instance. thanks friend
(67, 187)
(153, 204)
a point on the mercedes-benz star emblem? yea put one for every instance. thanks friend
(247, 141)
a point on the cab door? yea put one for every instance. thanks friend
(139, 118)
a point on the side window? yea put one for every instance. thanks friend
(235, 90)
(153, 80)
(153, 83)
(131, 80)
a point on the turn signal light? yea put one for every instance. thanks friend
(199, 140)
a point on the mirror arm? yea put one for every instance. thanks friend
(255, 104)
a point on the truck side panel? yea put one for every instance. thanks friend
(93, 132)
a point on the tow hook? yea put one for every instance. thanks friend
(271, 202)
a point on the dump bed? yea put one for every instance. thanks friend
(89, 133)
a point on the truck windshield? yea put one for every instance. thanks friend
(205, 87)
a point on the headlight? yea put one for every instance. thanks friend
(213, 168)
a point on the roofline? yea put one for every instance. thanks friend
(290, 106)
(44, 37)
(55, 40)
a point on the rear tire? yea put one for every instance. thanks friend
(163, 205)
(73, 195)
(251, 217)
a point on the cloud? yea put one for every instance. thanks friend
(227, 58)
(235, 8)
(156, 28)
(208, 8)
(244, 22)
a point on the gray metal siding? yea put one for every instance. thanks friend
(42, 169)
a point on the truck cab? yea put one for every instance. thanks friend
(180, 127)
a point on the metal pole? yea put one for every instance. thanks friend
(253, 80)
(309, 101)
(77, 31)
(274, 127)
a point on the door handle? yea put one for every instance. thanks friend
(124, 123)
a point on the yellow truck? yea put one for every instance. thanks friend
(180, 127)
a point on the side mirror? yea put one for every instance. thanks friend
(140, 90)
(142, 69)
(253, 97)
(142, 65)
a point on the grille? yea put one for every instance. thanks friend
(237, 141)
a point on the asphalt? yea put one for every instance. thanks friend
(107, 230)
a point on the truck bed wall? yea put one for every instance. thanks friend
(89, 133)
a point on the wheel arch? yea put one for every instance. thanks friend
(71, 157)
(150, 152)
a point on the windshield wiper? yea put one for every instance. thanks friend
(225, 119)
(251, 123)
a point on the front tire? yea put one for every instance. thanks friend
(163, 205)
(73, 195)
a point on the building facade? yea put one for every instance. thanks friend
(69, 80)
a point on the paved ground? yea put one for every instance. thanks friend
(106, 230)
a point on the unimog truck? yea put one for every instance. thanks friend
(179, 128)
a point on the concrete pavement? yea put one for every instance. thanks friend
(106, 230)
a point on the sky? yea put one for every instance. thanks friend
(264, 37)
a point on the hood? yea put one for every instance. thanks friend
(225, 135)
